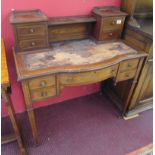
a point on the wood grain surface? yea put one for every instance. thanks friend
(4, 67)
(75, 53)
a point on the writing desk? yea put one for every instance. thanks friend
(6, 91)
(43, 73)
(51, 53)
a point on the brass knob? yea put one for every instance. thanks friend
(33, 43)
(127, 75)
(70, 79)
(31, 30)
(44, 94)
(150, 60)
(129, 65)
(43, 83)
(113, 22)
(112, 70)
(110, 34)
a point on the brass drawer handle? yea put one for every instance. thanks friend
(113, 70)
(113, 22)
(110, 34)
(127, 75)
(31, 30)
(33, 43)
(129, 65)
(43, 83)
(70, 79)
(44, 94)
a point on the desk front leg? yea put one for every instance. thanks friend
(30, 111)
(17, 134)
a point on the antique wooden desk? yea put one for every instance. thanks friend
(6, 90)
(98, 54)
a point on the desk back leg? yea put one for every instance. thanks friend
(30, 111)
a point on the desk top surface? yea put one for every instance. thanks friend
(74, 53)
(4, 72)
(71, 56)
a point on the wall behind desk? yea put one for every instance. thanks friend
(51, 8)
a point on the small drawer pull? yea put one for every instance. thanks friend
(31, 30)
(70, 79)
(44, 94)
(33, 43)
(43, 83)
(127, 75)
(110, 34)
(112, 70)
(129, 65)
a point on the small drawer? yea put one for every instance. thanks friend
(32, 44)
(125, 75)
(128, 65)
(42, 82)
(31, 30)
(113, 23)
(88, 77)
(43, 93)
(110, 35)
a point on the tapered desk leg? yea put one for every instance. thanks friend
(17, 134)
(32, 121)
(30, 111)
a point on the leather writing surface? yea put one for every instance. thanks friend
(75, 53)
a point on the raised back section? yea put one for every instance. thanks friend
(69, 28)
(34, 30)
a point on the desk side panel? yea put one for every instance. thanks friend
(141, 42)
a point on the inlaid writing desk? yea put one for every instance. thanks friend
(6, 91)
(43, 73)
(51, 53)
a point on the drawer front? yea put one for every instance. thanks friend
(30, 30)
(128, 65)
(113, 23)
(43, 93)
(110, 35)
(42, 82)
(126, 75)
(88, 77)
(32, 44)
